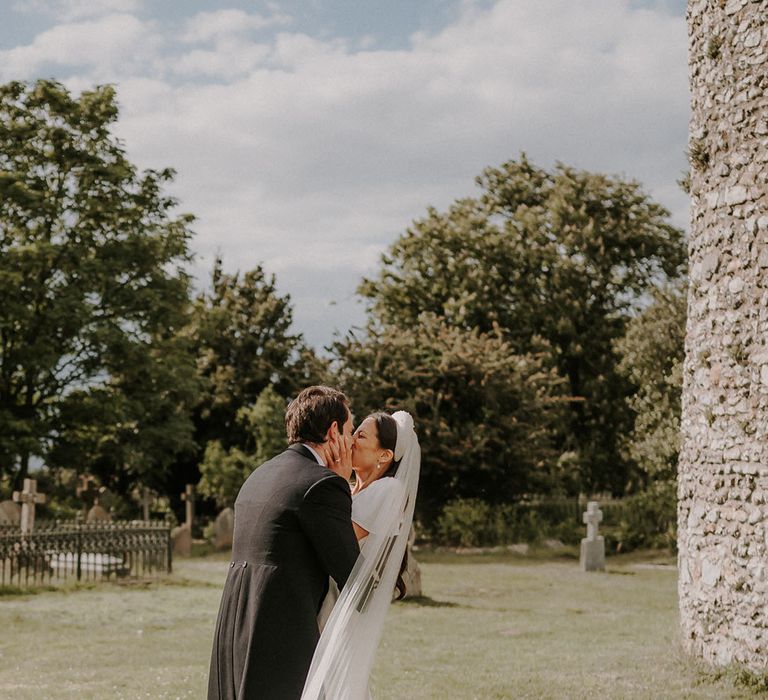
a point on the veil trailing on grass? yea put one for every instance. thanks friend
(345, 653)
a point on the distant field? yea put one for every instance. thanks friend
(494, 626)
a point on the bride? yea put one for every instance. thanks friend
(385, 457)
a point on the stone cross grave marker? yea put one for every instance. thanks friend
(146, 502)
(29, 498)
(87, 492)
(189, 498)
(593, 545)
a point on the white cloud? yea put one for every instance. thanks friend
(230, 59)
(312, 156)
(103, 48)
(70, 10)
(207, 26)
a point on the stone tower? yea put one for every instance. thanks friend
(723, 474)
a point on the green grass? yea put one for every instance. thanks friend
(489, 626)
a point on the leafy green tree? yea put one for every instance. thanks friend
(652, 354)
(488, 419)
(266, 424)
(132, 431)
(223, 471)
(564, 255)
(241, 331)
(94, 291)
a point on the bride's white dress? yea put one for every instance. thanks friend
(346, 651)
(366, 512)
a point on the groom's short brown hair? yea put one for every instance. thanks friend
(313, 411)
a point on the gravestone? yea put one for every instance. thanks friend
(97, 514)
(87, 492)
(10, 513)
(593, 545)
(189, 499)
(29, 498)
(412, 573)
(146, 502)
(223, 529)
(181, 537)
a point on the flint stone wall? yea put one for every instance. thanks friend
(723, 472)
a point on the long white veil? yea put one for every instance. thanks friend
(345, 653)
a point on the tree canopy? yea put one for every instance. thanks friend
(652, 354)
(564, 255)
(224, 470)
(94, 289)
(488, 419)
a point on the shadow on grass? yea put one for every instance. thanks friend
(147, 583)
(8, 590)
(424, 601)
(496, 555)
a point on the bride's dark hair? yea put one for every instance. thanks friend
(386, 428)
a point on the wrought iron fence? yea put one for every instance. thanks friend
(62, 551)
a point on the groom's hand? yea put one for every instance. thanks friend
(339, 455)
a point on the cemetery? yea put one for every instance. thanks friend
(478, 622)
(36, 552)
(584, 354)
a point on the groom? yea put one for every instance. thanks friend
(293, 529)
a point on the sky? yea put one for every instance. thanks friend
(307, 135)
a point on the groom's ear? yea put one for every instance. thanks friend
(332, 432)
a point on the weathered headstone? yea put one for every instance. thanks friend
(146, 502)
(593, 545)
(189, 498)
(10, 513)
(223, 529)
(181, 537)
(97, 514)
(87, 492)
(412, 573)
(29, 498)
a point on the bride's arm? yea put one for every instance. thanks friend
(360, 532)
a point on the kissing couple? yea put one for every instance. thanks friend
(332, 513)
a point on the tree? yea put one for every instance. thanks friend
(266, 424)
(223, 471)
(652, 354)
(241, 331)
(564, 255)
(487, 418)
(94, 290)
(242, 340)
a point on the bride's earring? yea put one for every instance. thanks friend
(378, 465)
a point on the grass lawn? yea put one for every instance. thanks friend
(490, 626)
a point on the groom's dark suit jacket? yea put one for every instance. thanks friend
(293, 529)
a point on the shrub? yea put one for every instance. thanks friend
(465, 523)
(649, 518)
(646, 519)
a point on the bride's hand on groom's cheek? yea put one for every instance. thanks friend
(339, 455)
